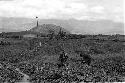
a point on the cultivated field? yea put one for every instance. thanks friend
(35, 60)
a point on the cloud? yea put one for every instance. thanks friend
(58, 9)
(6, 0)
(97, 9)
(41, 8)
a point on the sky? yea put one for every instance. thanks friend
(64, 9)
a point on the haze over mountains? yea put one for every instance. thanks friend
(72, 25)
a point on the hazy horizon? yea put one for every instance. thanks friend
(76, 11)
(72, 25)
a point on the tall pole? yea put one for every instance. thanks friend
(37, 21)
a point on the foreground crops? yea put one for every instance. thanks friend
(23, 61)
(108, 70)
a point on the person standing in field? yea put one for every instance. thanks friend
(62, 59)
(86, 58)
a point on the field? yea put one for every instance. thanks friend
(24, 60)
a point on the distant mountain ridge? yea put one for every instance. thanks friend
(71, 25)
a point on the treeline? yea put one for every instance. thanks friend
(62, 35)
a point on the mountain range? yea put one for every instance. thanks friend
(72, 25)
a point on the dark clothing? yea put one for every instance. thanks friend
(62, 59)
(60, 65)
(86, 58)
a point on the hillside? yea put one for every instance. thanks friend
(41, 30)
(48, 28)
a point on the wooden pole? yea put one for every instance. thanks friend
(37, 21)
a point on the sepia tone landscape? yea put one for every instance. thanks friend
(61, 41)
(32, 56)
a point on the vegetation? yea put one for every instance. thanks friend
(40, 63)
